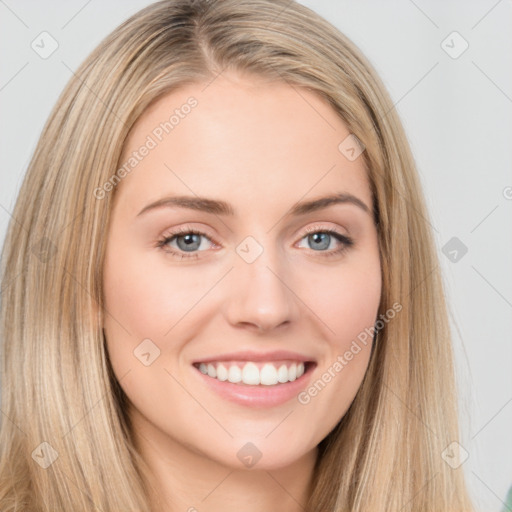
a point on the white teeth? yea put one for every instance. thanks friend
(212, 372)
(282, 374)
(250, 374)
(292, 372)
(222, 372)
(268, 375)
(234, 374)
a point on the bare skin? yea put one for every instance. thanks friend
(261, 147)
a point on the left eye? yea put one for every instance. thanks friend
(187, 241)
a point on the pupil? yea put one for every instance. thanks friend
(317, 237)
(188, 241)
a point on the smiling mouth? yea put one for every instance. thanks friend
(248, 373)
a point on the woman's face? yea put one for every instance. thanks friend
(261, 275)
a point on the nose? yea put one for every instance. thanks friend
(261, 295)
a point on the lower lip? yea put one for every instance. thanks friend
(261, 395)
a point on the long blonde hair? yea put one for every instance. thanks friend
(60, 400)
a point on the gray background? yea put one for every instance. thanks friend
(457, 114)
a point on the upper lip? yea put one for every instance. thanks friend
(250, 355)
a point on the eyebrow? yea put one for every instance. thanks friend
(218, 207)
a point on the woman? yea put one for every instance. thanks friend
(253, 368)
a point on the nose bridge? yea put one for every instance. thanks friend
(260, 292)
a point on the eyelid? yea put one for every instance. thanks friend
(205, 232)
(346, 240)
(321, 227)
(173, 232)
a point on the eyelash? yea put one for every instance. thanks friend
(346, 241)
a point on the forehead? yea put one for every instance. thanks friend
(244, 139)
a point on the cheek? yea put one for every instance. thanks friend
(148, 299)
(349, 311)
(143, 301)
(346, 300)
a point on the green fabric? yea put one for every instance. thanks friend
(508, 502)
